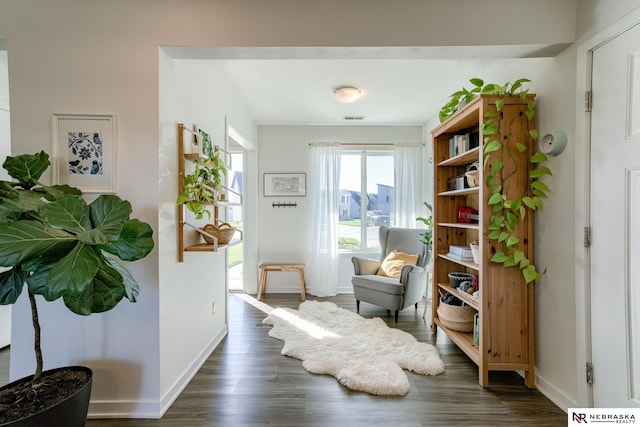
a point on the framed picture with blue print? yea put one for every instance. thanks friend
(83, 152)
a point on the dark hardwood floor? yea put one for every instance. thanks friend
(246, 382)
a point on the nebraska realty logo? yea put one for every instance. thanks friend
(581, 416)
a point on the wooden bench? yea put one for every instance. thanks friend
(266, 267)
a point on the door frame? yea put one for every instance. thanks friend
(584, 62)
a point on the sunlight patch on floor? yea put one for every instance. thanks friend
(304, 325)
(266, 308)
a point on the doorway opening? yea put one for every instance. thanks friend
(234, 215)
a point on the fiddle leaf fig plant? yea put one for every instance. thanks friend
(500, 166)
(201, 187)
(60, 246)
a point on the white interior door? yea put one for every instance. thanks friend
(615, 221)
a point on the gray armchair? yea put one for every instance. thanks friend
(392, 294)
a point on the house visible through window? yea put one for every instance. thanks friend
(366, 197)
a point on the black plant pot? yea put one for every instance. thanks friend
(71, 412)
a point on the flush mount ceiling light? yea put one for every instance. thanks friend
(347, 94)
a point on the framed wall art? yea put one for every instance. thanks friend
(285, 184)
(84, 151)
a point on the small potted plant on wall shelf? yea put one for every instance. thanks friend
(61, 247)
(203, 187)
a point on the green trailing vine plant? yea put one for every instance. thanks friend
(202, 186)
(499, 167)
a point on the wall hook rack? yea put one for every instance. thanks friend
(284, 205)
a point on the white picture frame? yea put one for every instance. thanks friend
(285, 184)
(84, 151)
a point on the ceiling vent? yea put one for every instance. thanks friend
(354, 117)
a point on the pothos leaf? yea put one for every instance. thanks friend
(494, 145)
(499, 257)
(538, 157)
(530, 274)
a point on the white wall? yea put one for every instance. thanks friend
(193, 93)
(555, 325)
(107, 61)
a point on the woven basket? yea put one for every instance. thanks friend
(456, 317)
(472, 178)
(223, 232)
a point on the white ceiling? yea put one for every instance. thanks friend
(400, 85)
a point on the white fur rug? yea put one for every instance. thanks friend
(363, 354)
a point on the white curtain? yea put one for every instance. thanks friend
(325, 190)
(408, 169)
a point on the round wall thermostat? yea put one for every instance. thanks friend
(553, 143)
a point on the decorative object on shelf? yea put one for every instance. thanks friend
(285, 184)
(467, 214)
(456, 278)
(475, 251)
(84, 151)
(202, 186)
(457, 182)
(207, 145)
(223, 232)
(337, 348)
(553, 143)
(61, 247)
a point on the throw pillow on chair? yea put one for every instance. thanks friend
(392, 264)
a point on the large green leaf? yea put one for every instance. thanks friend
(105, 292)
(27, 168)
(37, 281)
(73, 273)
(131, 287)
(11, 284)
(30, 201)
(108, 213)
(135, 242)
(23, 240)
(9, 211)
(69, 213)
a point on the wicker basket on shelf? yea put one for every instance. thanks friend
(456, 317)
(223, 232)
(473, 177)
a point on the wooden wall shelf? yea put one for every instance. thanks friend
(184, 157)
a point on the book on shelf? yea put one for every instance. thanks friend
(459, 144)
(461, 251)
(476, 329)
(460, 257)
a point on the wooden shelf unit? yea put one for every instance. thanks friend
(505, 304)
(182, 223)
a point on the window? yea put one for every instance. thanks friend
(366, 197)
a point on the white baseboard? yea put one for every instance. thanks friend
(554, 394)
(154, 409)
